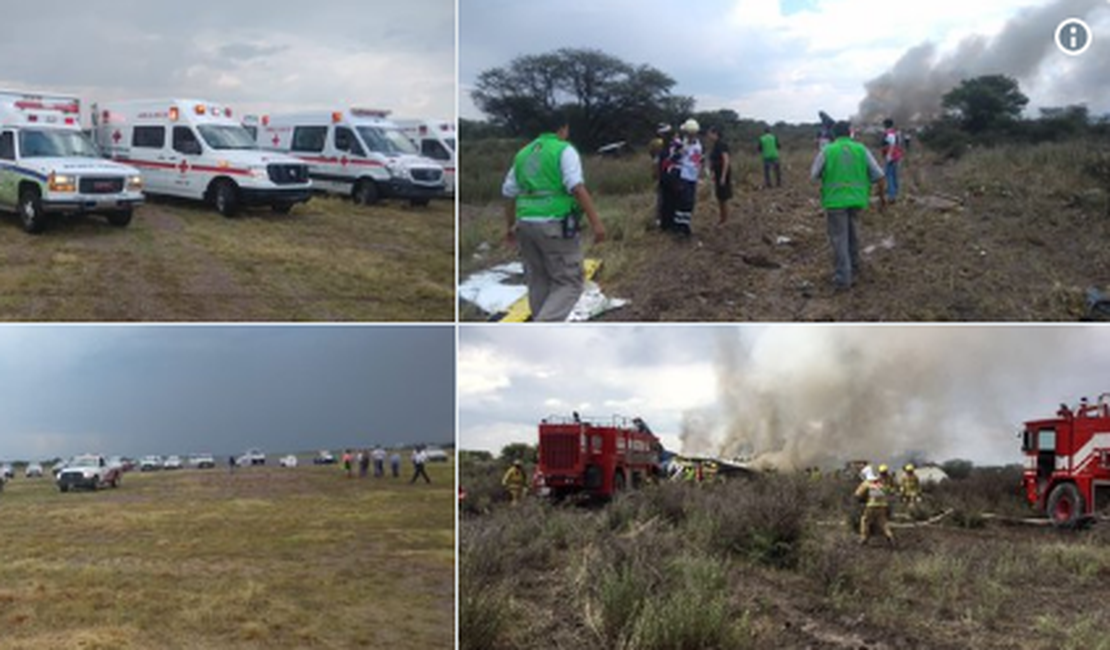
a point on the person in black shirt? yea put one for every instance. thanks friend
(721, 166)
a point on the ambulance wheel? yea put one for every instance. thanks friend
(366, 192)
(1065, 506)
(419, 203)
(282, 208)
(226, 196)
(120, 219)
(31, 215)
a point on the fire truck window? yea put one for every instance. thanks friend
(1046, 440)
(7, 146)
(185, 141)
(434, 150)
(149, 137)
(309, 138)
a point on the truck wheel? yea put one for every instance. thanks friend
(63, 487)
(1065, 506)
(95, 485)
(366, 192)
(282, 208)
(120, 219)
(30, 210)
(226, 196)
(114, 482)
(419, 203)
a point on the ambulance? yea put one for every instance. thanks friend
(356, 152)
(436, 139)
(198, 150)
(48, 166)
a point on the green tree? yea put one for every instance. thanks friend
(519, 451)
(606, 99)
(985, 103)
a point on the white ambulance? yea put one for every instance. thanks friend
(436, 139)
(356, 152)
(198, 150)
(48, 166)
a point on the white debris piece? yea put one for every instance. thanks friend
(592, 304)
(495, 290)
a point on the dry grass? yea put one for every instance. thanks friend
(265, 558)
(179, 261)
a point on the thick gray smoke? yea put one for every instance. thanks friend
(798, 396)
(911, 92)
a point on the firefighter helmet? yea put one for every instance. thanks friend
(909, 467)
(691, 126)
(883, 469)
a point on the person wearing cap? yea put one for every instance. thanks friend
(769, 148)
(547, 194)
(721, 167)
(514, 482)
(875, 491)
(689, 168)
(846, 170)
(660, 161)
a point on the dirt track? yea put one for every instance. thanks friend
(178, 261)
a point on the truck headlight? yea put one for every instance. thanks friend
(398, 170)
(62, 183)
(89, 474)
(134, 183)
(260, 173)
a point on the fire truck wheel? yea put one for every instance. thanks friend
(366, 192)
(1065, 506)
(618, 481)
(31, 215)
(120, 219)
(226, 195)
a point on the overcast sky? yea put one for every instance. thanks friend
(966, 389)
(149, 389)
(767, 59)
(254, 55)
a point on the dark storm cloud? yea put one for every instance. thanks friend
(135, 390)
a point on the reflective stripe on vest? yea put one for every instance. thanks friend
(540, 179)
(846, 181)
(876, 495)
(770, 146)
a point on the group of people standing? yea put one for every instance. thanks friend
(360, 460)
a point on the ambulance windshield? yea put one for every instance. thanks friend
(450, 143)
(226, 137)
(56, 143)
(391, 142)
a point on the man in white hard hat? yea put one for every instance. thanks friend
(689, 171)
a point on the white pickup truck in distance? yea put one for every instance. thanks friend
(88, 471)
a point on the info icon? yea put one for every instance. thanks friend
(1073, 37)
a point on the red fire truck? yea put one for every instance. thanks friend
(1067, 462)
(596, 458)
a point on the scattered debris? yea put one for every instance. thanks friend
(495, 290)
(784, 241)
(939, 202)
(760, 262)
(1098, 306)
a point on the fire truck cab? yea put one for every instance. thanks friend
(597, 458)
(48, 166)
(196, 150)
(1067, 462)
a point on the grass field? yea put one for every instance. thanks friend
(1005, 234)
(775, 562)
(264, 558)
(329, 260)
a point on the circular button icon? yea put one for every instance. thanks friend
(1073, 37)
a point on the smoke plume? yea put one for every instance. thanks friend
(911, 92)
(798, 396)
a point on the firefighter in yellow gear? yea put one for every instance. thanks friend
(515, 481)
(911, 486)
(876, 490)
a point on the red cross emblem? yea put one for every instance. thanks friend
(117, 136)
(276, 140)
(343, 161)
(184, 166)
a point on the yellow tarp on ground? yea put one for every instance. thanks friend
(520, 312)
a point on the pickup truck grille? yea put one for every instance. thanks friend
(100, 185)
(288, 174)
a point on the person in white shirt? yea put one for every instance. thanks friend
(379, 462)
(689, 170)
(419, 459)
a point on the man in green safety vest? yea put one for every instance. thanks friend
(846, 170)
(547, 195)
(769, 147)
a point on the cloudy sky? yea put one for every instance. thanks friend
(944, 391)
(775, 60)
(150, 389)
(256, 55)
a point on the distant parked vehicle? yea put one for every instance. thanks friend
(202, 461)
(6, 471)
(59, 466)
(324, 457)
(34, 470)
(88, 471)
(172, 462)
(252, 457)
(288, 461)
(435, 455)
(150, 463)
